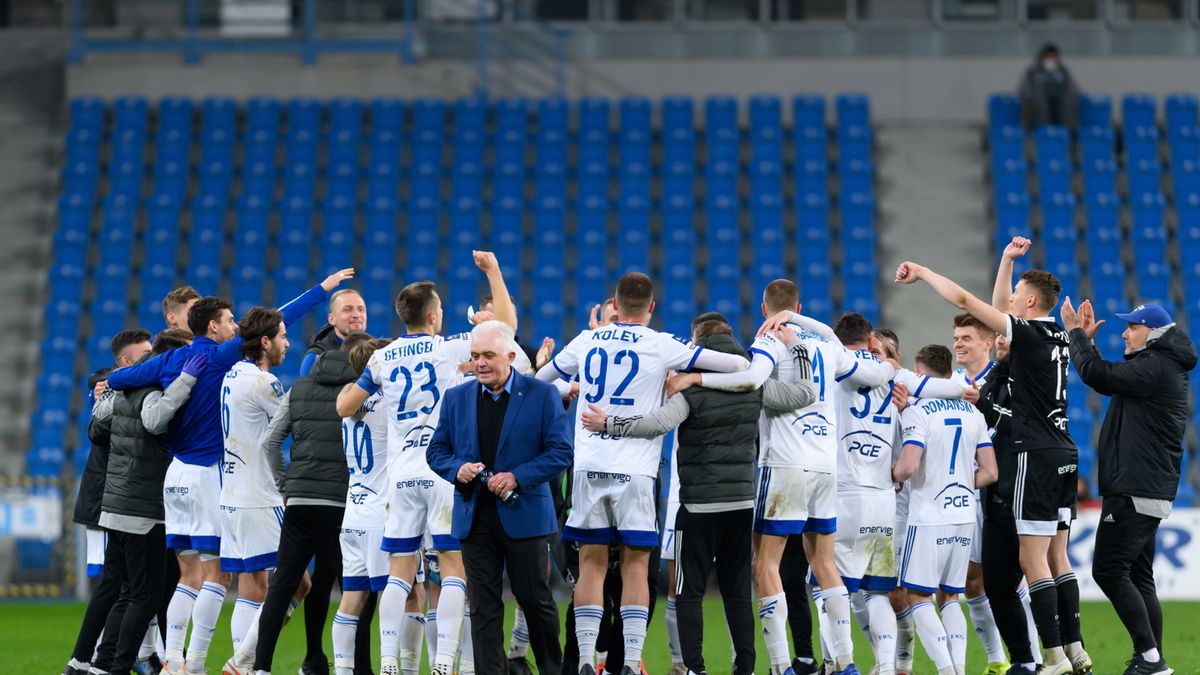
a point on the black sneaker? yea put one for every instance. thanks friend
(802, 668)
(519, 665)
(314, 667)
(585, 669)
(72, 670)
(1138, 665)
(1021, 670)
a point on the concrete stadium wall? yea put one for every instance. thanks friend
(902, 88)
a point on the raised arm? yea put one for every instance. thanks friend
(864, 372)
(503, 308)
(800, 321)
(1133, 378)
(145, 374)
(353, 395)
(909, 272)
(1002, 289)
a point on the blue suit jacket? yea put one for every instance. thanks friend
(534, 445)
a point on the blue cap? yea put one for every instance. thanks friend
(1150, 314)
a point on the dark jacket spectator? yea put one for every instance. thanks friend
(1049, 94)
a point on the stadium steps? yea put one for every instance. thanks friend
(30, 108)
(932, 196)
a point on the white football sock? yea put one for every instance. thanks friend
(431, 629)
(246, 651)
(148, 641)
(204, 624)
(519, 641)
(179, 614)
(955, 623)
(344, 628)
(451, 607)
(1035, 645)
(391, 615)
(587, 631)
(837, 606)
(932, 634)
(1151, 655)
(673, 632)
(773, 613)
(858, 607)
(824, 625)
(634, 619)
(985, 628)
(411, 636)
(466, 649)
(243, 615)
(883, 629)
(904, 638)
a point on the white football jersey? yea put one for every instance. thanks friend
(807, 438)
(365, 440)
(966, 380)
(623, 370)
(943, 486)
(412, 373)
(250, 397)
(868, 423)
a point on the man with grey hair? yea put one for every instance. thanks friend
(499, 440)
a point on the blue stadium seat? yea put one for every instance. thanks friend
(858, 218)
(87, 112)
(855, 176)
(1054, 177)
(812, 144)
(218, 112)
(1007, 143)
(1010, 175)
(1051, 143)
(854, 143)
(1184, 145)
(812, 177)
(1058, 210)
(1102, 210)
(1099, 175)
(1137, 110)
(853, 110)
(1005, 110)
(808, 111)
(1096, 142)
(1103, 244)
(1181, 110)
(1141, 143)
(1154, 283)
(1012, 217)
(1095, 110)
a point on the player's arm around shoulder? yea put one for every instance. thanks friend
(1135, 377)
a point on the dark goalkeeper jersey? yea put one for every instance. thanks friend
(1038, 380)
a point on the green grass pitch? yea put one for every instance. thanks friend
(37, 637)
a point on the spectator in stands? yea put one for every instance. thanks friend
(1139, 454)
(176, 305)
(1049, 94)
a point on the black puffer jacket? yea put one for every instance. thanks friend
(138, 462)
(717, 440)
(91, 483)
(996, 405)
(318, 468)
(1141, 439)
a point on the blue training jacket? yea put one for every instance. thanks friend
(194, 435)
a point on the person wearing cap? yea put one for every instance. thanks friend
(1139, 453)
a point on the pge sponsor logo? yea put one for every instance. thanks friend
(418, 438)
(865, 448)
(956, 501)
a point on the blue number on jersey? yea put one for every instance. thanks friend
(430, 386)
(598, 377)
(956, 424)
(364, 453)
(818, 370)
(224, 412)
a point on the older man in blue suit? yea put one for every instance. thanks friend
(515, 428)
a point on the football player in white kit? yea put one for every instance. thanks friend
(867, 428)
(947, 455)
(623, 368)
(798, 463)
(251, 506)
(364, 563)
(411, 373)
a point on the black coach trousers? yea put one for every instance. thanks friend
(1123, 567)
(308, 531)
(1001, 554)
(487, 552)
(139, 560)
(701, 539)
(104, 597)
(793, 571)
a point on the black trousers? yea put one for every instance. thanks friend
(307, 532)
(362, 636)
(170, 581)
(1124, 569)
(1002, 576)
(701, 539)
(140, 561)
(793, 570)
(487, 552)
(104, 596)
